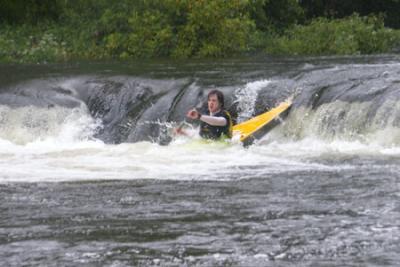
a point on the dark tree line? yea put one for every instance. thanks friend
(52, 30)
(390, 9)
(278, 13)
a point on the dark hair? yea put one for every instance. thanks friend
(219, 94)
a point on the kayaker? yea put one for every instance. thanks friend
(217, 122)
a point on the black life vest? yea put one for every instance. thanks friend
(214, 132)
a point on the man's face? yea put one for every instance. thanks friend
(213, 103)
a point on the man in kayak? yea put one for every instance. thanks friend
(217, 122)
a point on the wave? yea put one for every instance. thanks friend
(29, 124)
(345, 121)
(342, 102)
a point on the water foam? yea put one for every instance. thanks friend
(58, 144)
(183, 159)
(357, 122)
(246, 98)
(31, 124)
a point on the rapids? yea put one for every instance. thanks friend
(90, 172)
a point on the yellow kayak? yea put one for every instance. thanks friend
(248, 128)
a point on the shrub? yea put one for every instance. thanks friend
(351, 35)
(28, 44)
(103, 29)
(214, 29)
(190, 28)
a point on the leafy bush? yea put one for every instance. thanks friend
(103, 29)
(352, 35)
(27, 44)
(276, 15)
(187, 28)
(214, 28)
(151, 34)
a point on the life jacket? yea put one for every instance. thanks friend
(215, 132)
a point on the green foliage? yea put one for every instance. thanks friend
(151, 36)
(54, 30)
(352, 35)
(344, 8)
(28, 11)
(214, 29)
(276, 15)
(28, 44)
(183, 28)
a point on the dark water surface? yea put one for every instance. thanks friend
(310, 218)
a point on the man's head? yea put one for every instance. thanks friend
(215, 100)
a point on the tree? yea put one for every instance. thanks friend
(344, 8)
(29, 11)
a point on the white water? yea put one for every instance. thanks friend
(246, 98)
(57, 145)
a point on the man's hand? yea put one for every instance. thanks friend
(179, 131)
(193, 114)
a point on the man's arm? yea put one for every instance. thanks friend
(214, 121)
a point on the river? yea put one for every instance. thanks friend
(90, 174)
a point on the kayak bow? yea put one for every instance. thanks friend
(248, 128)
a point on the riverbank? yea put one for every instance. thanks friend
(204, 35)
